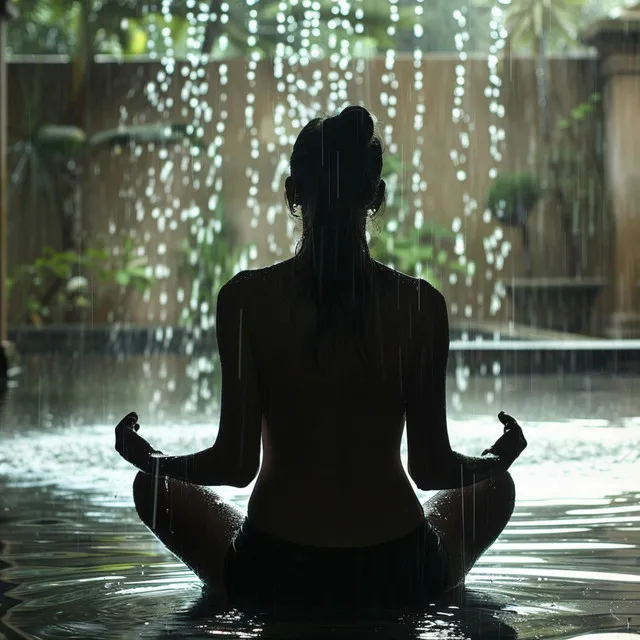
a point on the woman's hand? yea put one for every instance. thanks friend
(132, 447)
(511, 443)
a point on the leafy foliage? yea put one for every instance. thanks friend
(50, 163)
(571, 176)
(210, 258)
(42, 301)
(129, 27)
(119, 27)
(512, 196)
(531, 23)
(426, 252)
(576, 171)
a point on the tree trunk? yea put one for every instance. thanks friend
(3, 189)
(212, 29)
(542, 81)
(526, 249)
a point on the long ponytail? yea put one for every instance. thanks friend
(336, 165)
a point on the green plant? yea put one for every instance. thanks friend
(425, 252)
(512, 196)
(50, 165)
(134, 27)
(570, 178)
(210, 258)
(58, 283)
(511, 199)
(575, 175)
(116, 27)
(540, 26)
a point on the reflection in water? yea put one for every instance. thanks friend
(81, 565)
(75, 561)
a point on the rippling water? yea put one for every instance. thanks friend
(75, 562)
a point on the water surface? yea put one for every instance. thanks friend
(75, 562)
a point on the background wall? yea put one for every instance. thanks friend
(151, 195)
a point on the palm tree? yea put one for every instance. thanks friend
(541, 26)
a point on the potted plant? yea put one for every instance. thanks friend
(511, 199)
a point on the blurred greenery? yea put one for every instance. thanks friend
(60, 283)
(51, 162)
(118, 27)
(538, 27)
(210, 258)
(570, 177)
(182, 27)
(427, 252)
(179, 27)
(531, 24)
(511, 199)
(575, 177)
(512, 196)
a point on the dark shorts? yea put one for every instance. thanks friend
(266, 572)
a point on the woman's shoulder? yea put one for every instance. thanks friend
(251, 282)
(414, 284)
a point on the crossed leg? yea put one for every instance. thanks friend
(469, 520)
(198, 526)
(192, 521)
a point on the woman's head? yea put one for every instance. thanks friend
(336, 167)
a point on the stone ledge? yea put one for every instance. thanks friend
(473, 346)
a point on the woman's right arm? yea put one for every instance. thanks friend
(432, 464)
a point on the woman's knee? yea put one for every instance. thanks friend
(144, 491)
(141, 484)
(501, 497)
(140, 490)
(504, 485)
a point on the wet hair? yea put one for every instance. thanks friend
(336, 166)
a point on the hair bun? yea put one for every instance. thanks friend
(353, 128)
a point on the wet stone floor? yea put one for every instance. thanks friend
(75, 562)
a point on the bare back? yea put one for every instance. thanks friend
(331, 471)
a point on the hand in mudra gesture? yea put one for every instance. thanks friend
(511, 443)
(132, 446)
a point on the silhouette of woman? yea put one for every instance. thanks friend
(325, 357)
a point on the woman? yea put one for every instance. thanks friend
(324, 356)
